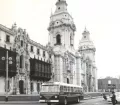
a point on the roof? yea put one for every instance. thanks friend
(60, 83)
(8, 30)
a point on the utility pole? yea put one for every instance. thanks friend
(6, 76)
(8, 60)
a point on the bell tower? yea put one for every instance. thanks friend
(87, 51)
(61, 6)
(61, 28)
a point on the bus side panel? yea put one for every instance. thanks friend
(61, 98)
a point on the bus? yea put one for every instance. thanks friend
(62, 93)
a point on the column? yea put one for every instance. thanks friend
(28, 85)
(35, 88)
(17, 85)
(61, 68)
(96, 81)
(90, 78)
(85, 76)
(11, 85)
(78, 69)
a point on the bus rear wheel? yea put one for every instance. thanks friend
(65, 101)
(48, 103)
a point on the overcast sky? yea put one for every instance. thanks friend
(101, 17)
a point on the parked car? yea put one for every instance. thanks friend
(117, 97)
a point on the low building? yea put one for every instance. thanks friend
(109, 84)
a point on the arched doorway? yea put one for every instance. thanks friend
(21, 87)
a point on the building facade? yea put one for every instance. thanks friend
(88, 67)
(57, 61)
(109, 84)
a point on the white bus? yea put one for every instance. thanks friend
(56, 92)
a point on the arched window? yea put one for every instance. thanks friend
(58, 39)
(67, 80)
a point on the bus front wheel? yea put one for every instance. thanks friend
(78, 100)
(65, 101)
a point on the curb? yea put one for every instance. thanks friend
(19, 102)
(92, 98)
(36, 102)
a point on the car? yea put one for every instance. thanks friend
(117, 97)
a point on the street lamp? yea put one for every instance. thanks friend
(8, 61)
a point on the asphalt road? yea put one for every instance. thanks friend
(98, 101)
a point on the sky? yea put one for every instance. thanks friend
(101, 18)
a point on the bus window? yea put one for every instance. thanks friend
(79, 90)
(75, 90)
(50, 88)
(71, 89)
(61, 89)
(65, 89)
(68, 89)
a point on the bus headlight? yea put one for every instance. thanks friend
(56, 96)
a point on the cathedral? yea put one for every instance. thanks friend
(30, 64)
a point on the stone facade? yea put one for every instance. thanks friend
(89, 70)
(26, 49)
(63, 62)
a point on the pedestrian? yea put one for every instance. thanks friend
(113, 98)
(104, 96)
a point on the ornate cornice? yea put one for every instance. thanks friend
(72, 26)
(37, 44)
(5, 29)
(87, 49)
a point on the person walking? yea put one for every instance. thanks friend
(104, 96)
(113, 98)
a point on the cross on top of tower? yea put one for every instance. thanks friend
(61, 0)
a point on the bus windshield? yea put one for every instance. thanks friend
(50, 88)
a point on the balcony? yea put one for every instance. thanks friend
(40, 70)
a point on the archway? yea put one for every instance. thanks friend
(21, 87)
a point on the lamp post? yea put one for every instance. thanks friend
(8, 61)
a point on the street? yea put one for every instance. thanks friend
(98, 101)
